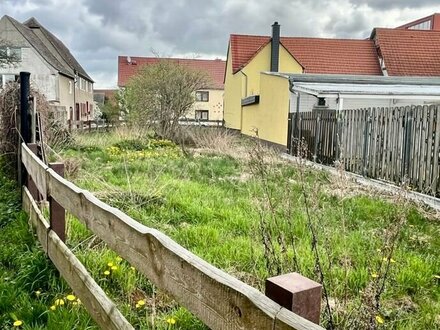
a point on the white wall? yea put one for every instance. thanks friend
(308, 102)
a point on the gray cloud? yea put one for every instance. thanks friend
(97, 31)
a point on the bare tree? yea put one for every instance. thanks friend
(162, 93)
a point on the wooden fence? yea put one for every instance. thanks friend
(399, 144)
(218, 299)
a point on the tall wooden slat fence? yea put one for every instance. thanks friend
(396, 144)
(216, 298)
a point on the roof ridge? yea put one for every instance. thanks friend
(173, 58)
(38, 45)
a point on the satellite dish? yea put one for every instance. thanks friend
(128, 59)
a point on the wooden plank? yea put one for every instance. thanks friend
(99, 306)
(416, 138)
(435, 158)
(372, 143)
(218, 299)
(391, 139)
(393, 146)
(423, 148)
(36, 218)
(35, 168)
(429, 151)
(351, 138)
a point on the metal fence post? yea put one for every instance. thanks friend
(317, 137)
(24, 123)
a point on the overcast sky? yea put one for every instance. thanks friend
(97, 31)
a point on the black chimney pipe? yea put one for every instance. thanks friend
(275, 49)
(24, 106)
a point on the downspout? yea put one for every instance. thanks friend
(246, 83)
(245, 95)
(74, 94)
(295, 129)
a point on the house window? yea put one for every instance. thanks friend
(421, 26)
(321, 102)
(202, 115)
(13, 53)
(202, 96)
(6, 78)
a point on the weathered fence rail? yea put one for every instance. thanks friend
(100, 307)
(400, 144)
(218, 299)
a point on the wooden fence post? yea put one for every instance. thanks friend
(30, 183)
(297, 293)
(57, 214)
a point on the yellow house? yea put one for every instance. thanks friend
(258, 102)
(208, 108)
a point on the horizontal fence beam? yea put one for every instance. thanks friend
(35, 168)
(99, 306)
(215, 297)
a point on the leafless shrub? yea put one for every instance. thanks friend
(9, 136)
(279, 211)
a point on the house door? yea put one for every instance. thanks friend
(77, 117)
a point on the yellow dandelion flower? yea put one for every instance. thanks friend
(53, 307)
(59, 302)
(138, 306)
(18, 323)
(110, 264)
(171, 320)
(374, 275)
(379, 319)
(114, 268)
(106, 273)
(71, 297)
(141, 302)
(118, 259)
(132, 268)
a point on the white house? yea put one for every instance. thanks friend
(54, 70)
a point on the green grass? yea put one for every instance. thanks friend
(29, 284)
(212, 205)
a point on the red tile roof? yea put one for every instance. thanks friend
(409, 52)
(214, 68)
(316, 55)
(334, 56)
(244, 48)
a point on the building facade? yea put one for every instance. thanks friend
(54, 70)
